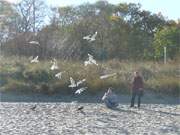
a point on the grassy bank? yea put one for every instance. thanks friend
(18, 74)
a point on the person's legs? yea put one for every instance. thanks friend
(133, 98)
(108, 104)
(139, 98)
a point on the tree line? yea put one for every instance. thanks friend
(124, 31)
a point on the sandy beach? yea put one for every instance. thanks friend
(59, 116)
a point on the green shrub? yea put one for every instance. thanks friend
(165, 85)
(19, 74)
(17, 85)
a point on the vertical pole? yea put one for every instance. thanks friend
(165, 55)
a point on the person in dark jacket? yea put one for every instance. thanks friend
(137, 89)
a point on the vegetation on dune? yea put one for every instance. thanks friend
(21, 75)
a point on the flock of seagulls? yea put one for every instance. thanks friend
(73, 84)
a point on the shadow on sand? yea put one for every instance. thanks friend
(126, 111)
(162, 112)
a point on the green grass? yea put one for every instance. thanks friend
(18, 74)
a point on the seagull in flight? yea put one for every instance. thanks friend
(91, 38)
(88, 37)
(34, 42)
(106, 76)
(80, 82)
(59, 75)
(35, 60)
(90, 61)
(79, 91)
(74, 84)
(54, 66)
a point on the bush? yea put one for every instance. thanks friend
(21, 75)
(16, 86)
(165, 85)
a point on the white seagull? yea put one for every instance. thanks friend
(80, 82)
(74, 84)
(91, 38)
(54, 66)
(34, 42)
(106, 76)
(79, 91)
(87, 37)
(35, 60)
(90, 61)
(59, 75)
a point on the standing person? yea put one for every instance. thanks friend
(110, 99)
(137, 89)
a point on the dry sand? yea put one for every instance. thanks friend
(62, 118)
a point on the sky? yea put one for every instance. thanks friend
(169, 8)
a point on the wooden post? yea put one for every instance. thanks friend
(165, 55)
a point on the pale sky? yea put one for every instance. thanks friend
(169, 8)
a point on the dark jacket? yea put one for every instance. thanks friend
(137, 83)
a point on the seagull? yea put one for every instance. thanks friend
(54, 66)
(90, 56)
(87, 63)
(79, 91)
(80, 82)
(34, 42)
(80, 108)
(33, 108)
(59, 75)
(35, 60)
(73, 83)
(91, 38)
(90, 61)
(87, 37)
(106, 76)
(97, 11)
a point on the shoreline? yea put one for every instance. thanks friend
(148, 98)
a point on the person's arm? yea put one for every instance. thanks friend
(132, 83)
(104, 97)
